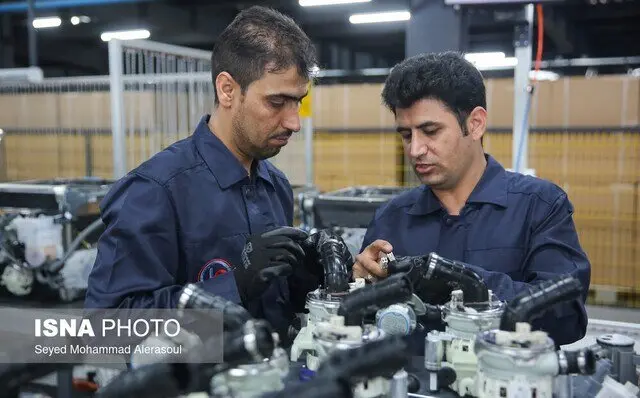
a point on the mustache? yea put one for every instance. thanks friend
(286, 134)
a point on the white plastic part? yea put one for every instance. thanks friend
(42, 238)
(613, 389)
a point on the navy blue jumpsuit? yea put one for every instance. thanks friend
(514, 230)
(184, 216)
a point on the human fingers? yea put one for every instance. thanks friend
(370, 265)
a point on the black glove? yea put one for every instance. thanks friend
(267, 256)
(328, 258)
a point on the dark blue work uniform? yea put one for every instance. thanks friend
(514, 230)
(184, 216)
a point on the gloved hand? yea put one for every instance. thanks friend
(267, 256)
(328, 258)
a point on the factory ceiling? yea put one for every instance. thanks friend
(573, 29)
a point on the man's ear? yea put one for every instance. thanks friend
(226, 89)
(477, 123)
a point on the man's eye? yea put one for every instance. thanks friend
(277, 104)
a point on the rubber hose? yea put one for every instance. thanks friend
(531, 304)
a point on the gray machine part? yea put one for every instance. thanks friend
(619, 349)
(78, 197)
(352, 207)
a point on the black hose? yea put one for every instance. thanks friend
(15, 375)
(368, 299)
(334, 256)
(435, 277)
(57, 265)
(472, 286)
(316, 388)
(378, 358)
(195, 298)
(158, 380)
(538, 299)
(250, 344)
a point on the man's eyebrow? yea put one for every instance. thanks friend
(427, 124)
(288, 96)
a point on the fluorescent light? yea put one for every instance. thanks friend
(77, 20)
(542, 75)
(312, 3)
(491, 60)
(376, 17)
(126, 35)
(49, 22)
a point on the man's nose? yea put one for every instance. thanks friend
(292, 121)
(417, 147)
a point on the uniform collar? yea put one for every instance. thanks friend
(223, 164)
(492, 188)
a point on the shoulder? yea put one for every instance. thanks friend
(400, 203)
(172, 161)
(533, 188)
(541, 198)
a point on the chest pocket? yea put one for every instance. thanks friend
(507, 260)
(206, 260)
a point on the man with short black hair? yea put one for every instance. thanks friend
(513, 230)
(197, 212)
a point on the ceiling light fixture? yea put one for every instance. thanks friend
(313, 3)
(543, 75)
(377, 17)
(48, 22)
(77, 20)
(137, 34)
(491, 60)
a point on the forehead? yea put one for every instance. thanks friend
(422, 111)
(288, 82)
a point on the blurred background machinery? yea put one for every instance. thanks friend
(48, 234)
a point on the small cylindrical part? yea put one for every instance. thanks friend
(400, 384)
(432, 382)
(457, 297)
(432, 360)
(581, 362)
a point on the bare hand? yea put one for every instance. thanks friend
(367, 263)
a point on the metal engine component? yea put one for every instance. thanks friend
(18, 281)
(525, 363)
(253, 380)
(619, 349)
(397, 319)
(455, 346)
(321, 307)
(520, 363)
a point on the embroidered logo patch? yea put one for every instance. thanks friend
(213, 268)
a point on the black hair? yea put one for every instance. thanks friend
(447, 77)
(260, 38)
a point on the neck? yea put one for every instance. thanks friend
(221, 126)
(455, 198)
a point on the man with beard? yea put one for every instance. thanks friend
(513, 230)
(210, 209)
